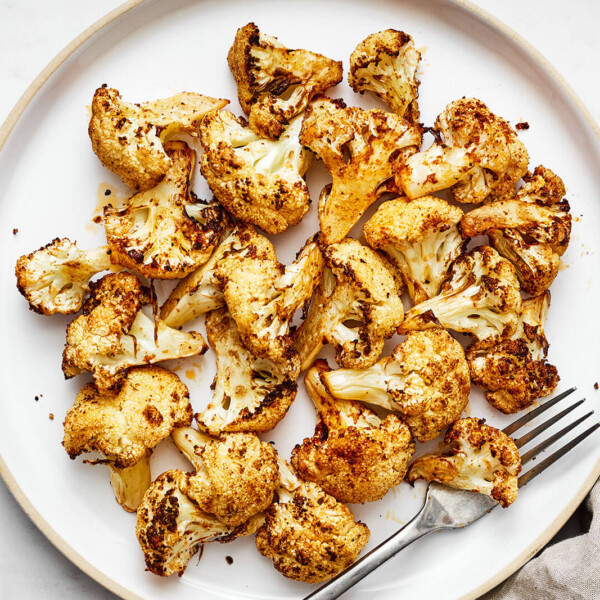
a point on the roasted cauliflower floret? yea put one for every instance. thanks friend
(54, 279)
(481, 156)
(126, 427)
(532, 230)
(481, 297)
(483, 460)
(258, 181)
(355, 308)
(358, 148)
(128, 138)
(514, 371)
(275, 83)
(386, 63)
(114, 334)
(354, 455)
(421, 238)
(425, 381)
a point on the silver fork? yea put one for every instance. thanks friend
(449, 508)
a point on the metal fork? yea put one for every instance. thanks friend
(449, 508)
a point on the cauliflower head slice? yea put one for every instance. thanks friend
(514, 372)
(355, 308)
(386, 63)
(250, 393)
(354, 455)
(259, 181)
(359, 148)
(425, 381)
(481, 297)
(164, 233)
(113, 334)
(483, 459)
(128, 138)
(421, 238)
(274, 83)
(54, 279)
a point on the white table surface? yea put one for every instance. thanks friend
(34, 31)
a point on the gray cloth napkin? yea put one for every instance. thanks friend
(566, 570)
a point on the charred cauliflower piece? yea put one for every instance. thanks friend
(354, 455)
(514, 372)
(128, 138)
(481, 156)
(54, 279)
(421, 238)
(355, 308)
(258, 181)
(114, 334)
(163, 233)
(425, 381)
(483, 460)
(359, 148)
(532, 230)
(126, 427)
(264, 70)
(481, 297)
(386, 63)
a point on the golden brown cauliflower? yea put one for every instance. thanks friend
(113, 334)
(264, 70)
(483, 460)
(421, 238)
(355, 308)
(359, 148)
(425, 381)
(354, 455)
(128, 138)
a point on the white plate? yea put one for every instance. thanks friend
(50, 183)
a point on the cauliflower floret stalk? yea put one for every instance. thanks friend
(481, 297)
(532, 230)
(54, 279)
(354, 455)
(359, 148)
(425, 381)
(481, 155)
(258, 181)
(126, 428)
(263, 295)
(164, 233)
(113, 334)
(483, 459)
(355, 308)
(128, 138)
(308, 534)
(514, 372)
(250, 393)
(386, 63)
(421, 238)
(275, 83)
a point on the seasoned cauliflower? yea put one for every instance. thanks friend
(481, 296)
(355, 308)
(359, 148)
(483, 460)
(425, 381)
(114, 334)
(275, 83)
(258, 181)
(421, 238)
(126, 427)
(354, 455)
(386, 63)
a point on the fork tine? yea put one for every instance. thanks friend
(527, 477)
(510, 429)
